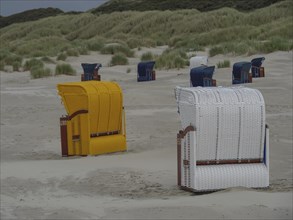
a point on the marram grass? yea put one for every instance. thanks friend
(224, 31)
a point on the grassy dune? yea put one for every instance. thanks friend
(224, 30)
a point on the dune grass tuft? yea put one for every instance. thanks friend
(223, 64)
(62, 56)
(40, 72)
(64, 69)
(117, 48)
(29, 64)
(147, 56)
(118, 59)
(176, 58)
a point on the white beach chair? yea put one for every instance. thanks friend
(224, 141)
(198, 61)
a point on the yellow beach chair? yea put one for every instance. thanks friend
(95, 120)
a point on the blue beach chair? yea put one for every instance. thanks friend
(240, 73)
(256, 69)
(145, 71)
(90, 71)
(202, 76)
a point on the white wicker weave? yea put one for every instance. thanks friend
(230, 125)
(198, 61)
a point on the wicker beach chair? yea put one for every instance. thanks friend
(95, 120)
(240, 73)
(198, 61)
(256, 69)
(202, 76)
(224, 141)
(90, 71)
(145, 71)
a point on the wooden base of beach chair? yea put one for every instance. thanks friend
(250, 78)
(214, 82)
(96, 77)
(261, 72)
(153, 75)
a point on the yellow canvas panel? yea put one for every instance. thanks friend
(108, 144)
(95, 117)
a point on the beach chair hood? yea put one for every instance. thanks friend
(198, 75)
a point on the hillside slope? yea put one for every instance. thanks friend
(225, 30)
(29, 15)
(201, 5)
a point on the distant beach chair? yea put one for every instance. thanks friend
(240, 73)
(202, 76)
(198, 61)
(145, 71)
(91, 71)
(256, 69)
(224, 141)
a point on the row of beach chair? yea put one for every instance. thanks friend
(223, 141)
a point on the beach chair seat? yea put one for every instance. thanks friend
(256, 69)
(95, 120)
(224, 141)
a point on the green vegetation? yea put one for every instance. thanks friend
(207, 5)
(224, 31)
(2, 64)
(40, 72)
(7, 58)
(147, 56)
(119, 59)
(117, 48)
(224, 64)
(128, 70)
(29, 64)
(172, 59)
(30, 15)
(16, 65)
(72, 52)
(64, 69)
(62, 56)
(47, 60)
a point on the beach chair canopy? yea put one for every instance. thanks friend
(202, 76)
(257, 62)
(240, 72)
(256, 65)
(94, 109)
(198, 61)
(224, 140)
(89, 69)
(144, 70)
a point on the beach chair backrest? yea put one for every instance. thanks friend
(229, 122)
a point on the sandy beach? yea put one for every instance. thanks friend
(37, 183)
